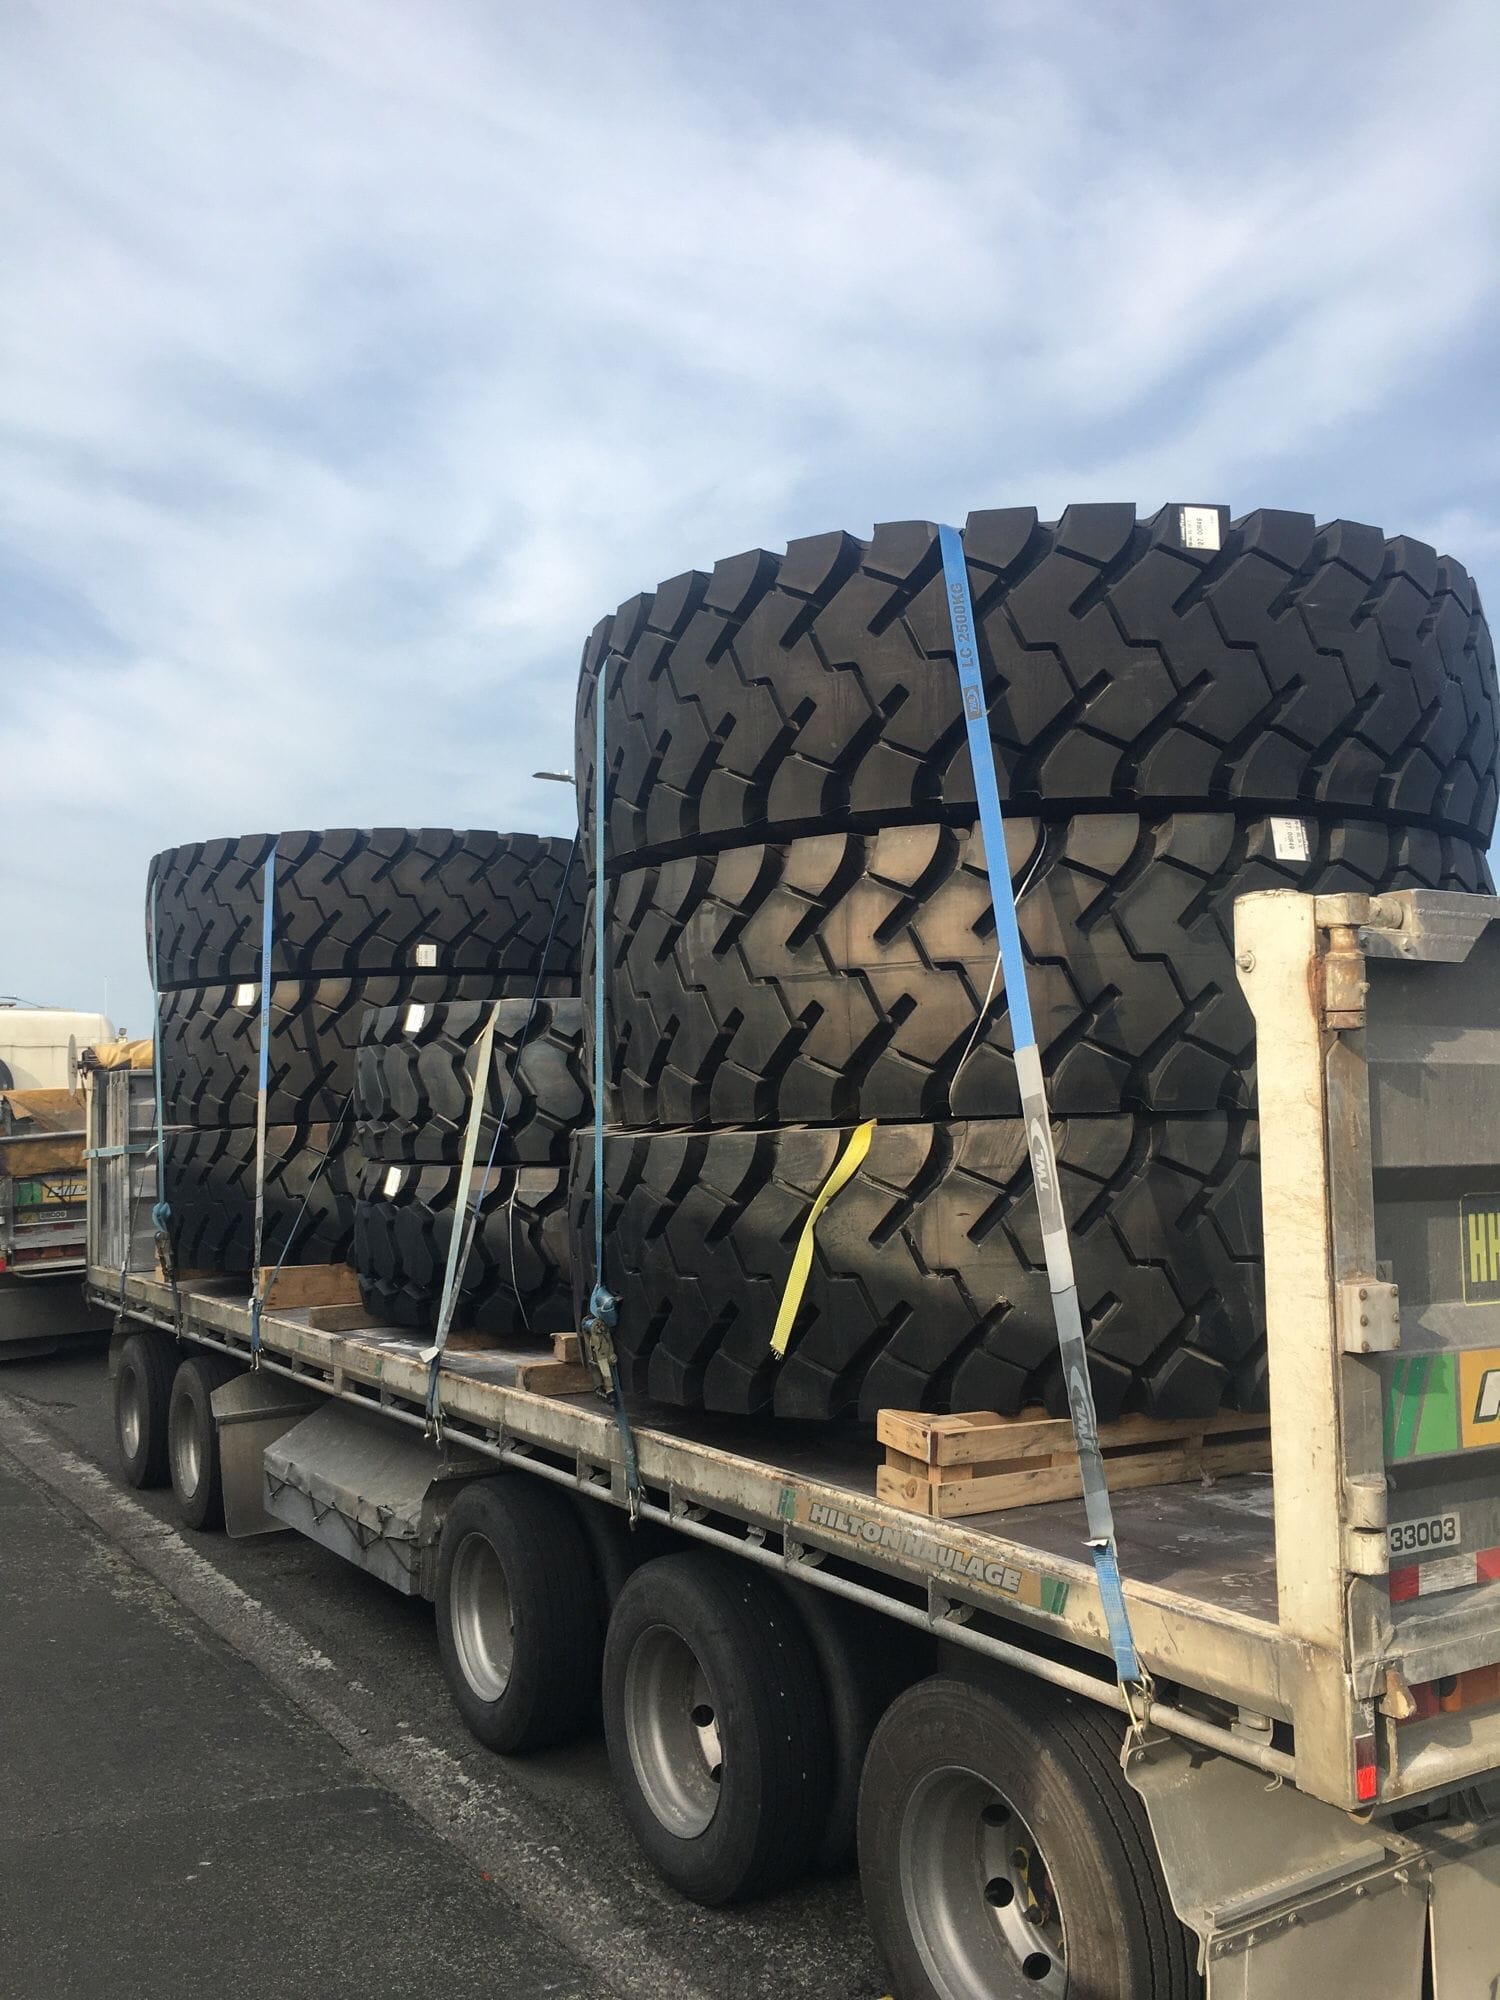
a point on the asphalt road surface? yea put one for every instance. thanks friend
(234, 1766)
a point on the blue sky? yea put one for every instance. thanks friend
(355, 357)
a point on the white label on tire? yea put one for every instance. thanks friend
(246, 996)
(1200, 528)
(426, 954)
(416, 1018)
(392, 1183)
(1289, 838)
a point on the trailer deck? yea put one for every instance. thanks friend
(1199, 1562)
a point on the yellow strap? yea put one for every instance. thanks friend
(845, 1167)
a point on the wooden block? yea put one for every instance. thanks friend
(567, 1347)
(554, 1378)
(309, 1285)
(1131, 1461)
(463, 1340)
(187, 1277)
(337, 1319)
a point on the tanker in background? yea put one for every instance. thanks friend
(42, 1192)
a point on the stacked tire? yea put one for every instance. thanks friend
(799, 935)
(363, 919)
(416, 1076)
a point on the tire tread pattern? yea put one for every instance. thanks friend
(1322, 669)
(367, 900)
(928, 1287)
(846, 975)
(515, 1284)
(415, 1082)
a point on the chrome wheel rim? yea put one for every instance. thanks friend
(132, 1418)
(185, 1447)
(483, 1622)
(979, 1899)
(672, 1730)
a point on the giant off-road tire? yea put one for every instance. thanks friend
(416, 1082)
(367, 900)
(1278, 666)
(210, 1040)
(515, 1283)
(928, 1288)
(847, 975)
(210, 1190)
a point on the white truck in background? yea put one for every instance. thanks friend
(43, 1222)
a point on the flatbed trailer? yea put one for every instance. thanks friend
(1318, 1749)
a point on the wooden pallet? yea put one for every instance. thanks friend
(976, 1462)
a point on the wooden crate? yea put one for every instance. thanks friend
(976, 1462)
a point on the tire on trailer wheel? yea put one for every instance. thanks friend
(142, 1399)
(519, 1626)
(717, 1727)
(193, 1439)
(1002, 1851)
(864, 1660)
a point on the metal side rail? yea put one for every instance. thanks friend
(991, 1589)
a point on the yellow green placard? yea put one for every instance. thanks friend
(1441, 1403)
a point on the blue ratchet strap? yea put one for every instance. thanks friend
(258, 1292)
(161, 1213)
(1056, 1245)
(604, 1307)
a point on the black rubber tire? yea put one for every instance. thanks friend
(1056, 1761)
(865, 1661)
(196, 1475)
(210, 1040)
(144, 1370)
(845, 975)
(928, 1287)
(210, 1188)
(551, 1694)
(367, 900)
(1322, 670)
(416, 1082)
(768, 1703)
(515, 1284)
(618, 1548)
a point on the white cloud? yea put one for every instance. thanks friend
(355, 358)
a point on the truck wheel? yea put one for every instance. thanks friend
(617, 1548)
(717, 1728)
(1002, 1852)
(865, 1661)
(518, 1617)
(193, 1440)
(143, 1391)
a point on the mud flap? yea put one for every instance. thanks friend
(1290, 1897)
